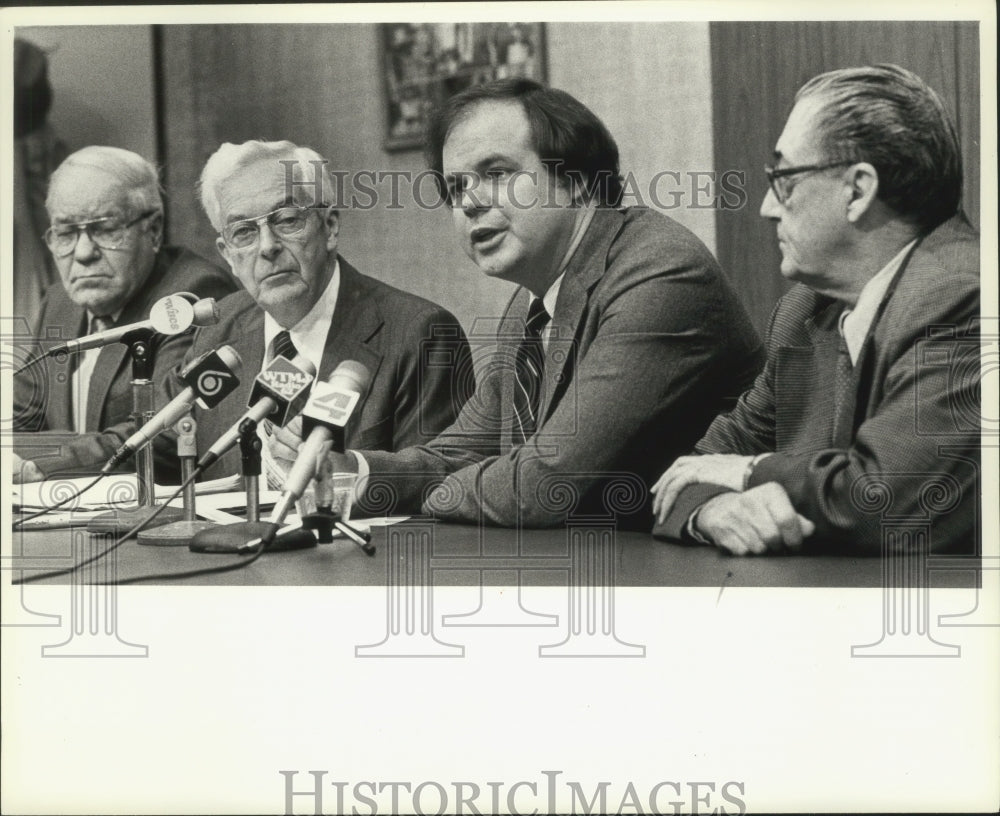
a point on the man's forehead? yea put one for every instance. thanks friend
(262, 185)
(799, 141)
(488, 129)
(85, 192)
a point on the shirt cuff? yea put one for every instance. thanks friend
(692, 531)
(363, 472)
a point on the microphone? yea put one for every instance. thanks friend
(209, 378)
(323, 420)
(279, 392)
(173, 314)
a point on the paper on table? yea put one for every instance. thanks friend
(38, 495)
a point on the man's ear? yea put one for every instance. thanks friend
(156, 230)
(220, 245)
(332, 220)
(863, 186)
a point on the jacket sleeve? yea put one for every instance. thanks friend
(399, 481)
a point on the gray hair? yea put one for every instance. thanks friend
(309, 170)
(137, 176)
(891, 118)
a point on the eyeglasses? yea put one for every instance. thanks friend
(774, 176)
(285, 222)
(61, 239)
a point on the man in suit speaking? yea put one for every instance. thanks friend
(867, 412)
(106, 237)
(621, 342)
(272, 205)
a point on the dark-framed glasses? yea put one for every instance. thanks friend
(285, 222)
(775, 176)
(107, 233)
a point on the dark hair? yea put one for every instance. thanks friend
(891, 118)
(566, 135)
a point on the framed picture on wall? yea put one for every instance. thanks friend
(425, 63)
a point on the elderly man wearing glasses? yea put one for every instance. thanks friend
(863, 430)
(106, 237)
(278, 231)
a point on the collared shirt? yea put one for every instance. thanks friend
(309, 334)
(80, 380)
(855, 323)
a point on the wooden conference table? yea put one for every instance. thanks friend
(421, 551)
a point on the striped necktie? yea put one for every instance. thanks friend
(529, 364)
(843, 383)
(274, 473)
(283, 346)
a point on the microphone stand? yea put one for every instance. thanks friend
(231, 538)
(143, 409)
(181, 532)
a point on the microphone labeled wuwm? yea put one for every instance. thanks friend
(279, 392)
(209, 378)
(173, 314)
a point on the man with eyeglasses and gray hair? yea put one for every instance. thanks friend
(862, 432)
(106, 237)
(272, 204)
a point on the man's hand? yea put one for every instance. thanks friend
(284, 449)
(284, 443)
(24, 471)
(760, 520)
(723, 469)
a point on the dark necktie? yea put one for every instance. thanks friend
(283, 345)
(843, 383)
(528, 367)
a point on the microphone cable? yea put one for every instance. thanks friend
(121, 540)
(21, 521)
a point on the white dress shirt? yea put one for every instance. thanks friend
(855, 323)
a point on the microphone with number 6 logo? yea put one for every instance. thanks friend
(279, 392)
(323, 421)
(209, 379)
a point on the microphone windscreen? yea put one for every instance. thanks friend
(172, 314)
(353, 374)
(206, 312)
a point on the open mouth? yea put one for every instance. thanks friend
(486, 237)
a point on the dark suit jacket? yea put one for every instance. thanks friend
(43, 409)
(908, 453)
(416, 351)
(647, 344)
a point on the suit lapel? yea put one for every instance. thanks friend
(804, 375)
(585, 269)
(356, 321)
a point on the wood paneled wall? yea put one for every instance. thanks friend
(756, 70)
